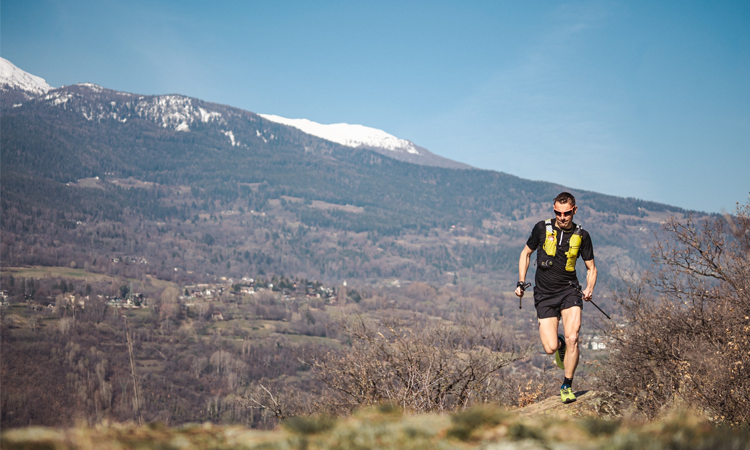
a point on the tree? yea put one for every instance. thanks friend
(688, 324)
(168, 307)
(433, 366)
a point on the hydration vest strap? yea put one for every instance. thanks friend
(572, 253)
(550, 239)
(550, 228)
(550, 244)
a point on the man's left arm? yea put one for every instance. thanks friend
(590, 279)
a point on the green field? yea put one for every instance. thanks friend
(78, 274)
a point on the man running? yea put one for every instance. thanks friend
(558, 243)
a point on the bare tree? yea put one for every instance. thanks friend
(687, 337)
(430, 366)
(276, 400)
(168, 306)
(262, 399)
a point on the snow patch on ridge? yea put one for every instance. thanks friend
(92, 86)
(208, 116)
(175, 112)
(348, 135)
(59, 98)
(230, 135)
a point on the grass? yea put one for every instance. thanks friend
(466, 423)
(68, 272)
(44, 272)
(302, 338)
(388, 427)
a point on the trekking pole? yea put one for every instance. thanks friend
(578, 290)
(520, 299)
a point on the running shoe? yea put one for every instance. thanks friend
(567, 395)
(560, 353)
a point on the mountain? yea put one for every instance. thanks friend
(177, 112)
(91, 175)
(17, 86)
(360, 136)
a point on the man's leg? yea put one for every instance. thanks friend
(571, 318)
(548, 334)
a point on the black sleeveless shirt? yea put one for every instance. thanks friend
(556, 278)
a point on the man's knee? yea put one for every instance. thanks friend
(571, 339)
(549, 349)
(548, 333)
(551, 346)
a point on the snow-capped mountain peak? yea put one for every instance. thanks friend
(185, 114)
(349, 135)
(11, 77)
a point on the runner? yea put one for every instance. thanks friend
(558, 243)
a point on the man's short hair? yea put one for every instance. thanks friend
(565, 197)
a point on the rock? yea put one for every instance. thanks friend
(595, 404)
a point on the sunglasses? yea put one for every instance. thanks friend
(564, 214)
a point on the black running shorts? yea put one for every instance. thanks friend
(552, 305)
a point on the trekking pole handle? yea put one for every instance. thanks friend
(523, 287)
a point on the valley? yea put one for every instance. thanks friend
(167, 259)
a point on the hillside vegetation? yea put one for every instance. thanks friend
(687, 338)
(87, 178)
(258, 358)
(254, 359)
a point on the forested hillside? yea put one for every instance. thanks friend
(200, 187)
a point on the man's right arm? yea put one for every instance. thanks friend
(523, 267)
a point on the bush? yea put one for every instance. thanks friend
(432, 366)
(687, 340)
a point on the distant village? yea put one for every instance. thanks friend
(286, 289)
(227, 289)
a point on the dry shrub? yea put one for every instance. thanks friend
(531, 393)
(274, 401)
(689, 342)
(429, 366)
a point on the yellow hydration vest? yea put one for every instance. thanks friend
(550, 244)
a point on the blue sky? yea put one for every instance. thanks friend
(637, 99)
